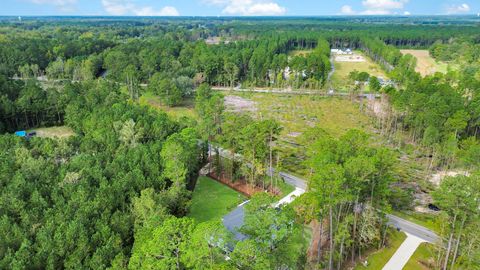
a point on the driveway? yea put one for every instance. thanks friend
(403, 253)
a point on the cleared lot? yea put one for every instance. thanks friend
(426, 65)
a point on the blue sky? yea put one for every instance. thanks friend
(237, 7)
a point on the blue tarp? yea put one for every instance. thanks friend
(21, 133)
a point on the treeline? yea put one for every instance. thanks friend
(457, 50)
(257, 62)
(68, 203)
(349, 187)
(25, 105)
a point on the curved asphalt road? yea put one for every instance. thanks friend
(234, 220)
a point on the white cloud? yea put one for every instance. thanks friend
(248, 7)
(149, 11)
(383, 4)
(117, 7)
(455, 9)
(62, 5)
(376, 7)
(347, 10)
(407, 13)
(126, 7)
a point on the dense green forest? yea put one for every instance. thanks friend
(117, 193)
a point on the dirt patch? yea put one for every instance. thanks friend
(54, 132)
(350, 58)
(378, 107)
(239, 104)
(437, 177)
(239, 185)
(294, 134)
(319, 240)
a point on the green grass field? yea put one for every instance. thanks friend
(421, 259)
(378, 259)
(212, 200)
(343, 69)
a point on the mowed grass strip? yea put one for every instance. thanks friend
(422, 258)
(378, 259)
(212, 200)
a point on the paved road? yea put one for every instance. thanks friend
(413, 229)
(234, 219)
(295, 92)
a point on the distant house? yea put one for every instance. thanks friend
(383, 82)
(341, 51)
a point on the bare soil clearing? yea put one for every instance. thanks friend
(240, 104)
(426, 65)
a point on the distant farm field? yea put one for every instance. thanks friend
(344, 67)
(426, 65)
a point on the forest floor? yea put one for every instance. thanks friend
(426, 65)
(212, 200)
(344, 67)
(54, 132)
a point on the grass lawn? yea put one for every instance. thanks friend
(343, 69)
(378, 259)
(426, 65)
(285, 188)
(212, 200)
(419, 259)
(425, 220)
(54, 132)
(186, 108)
